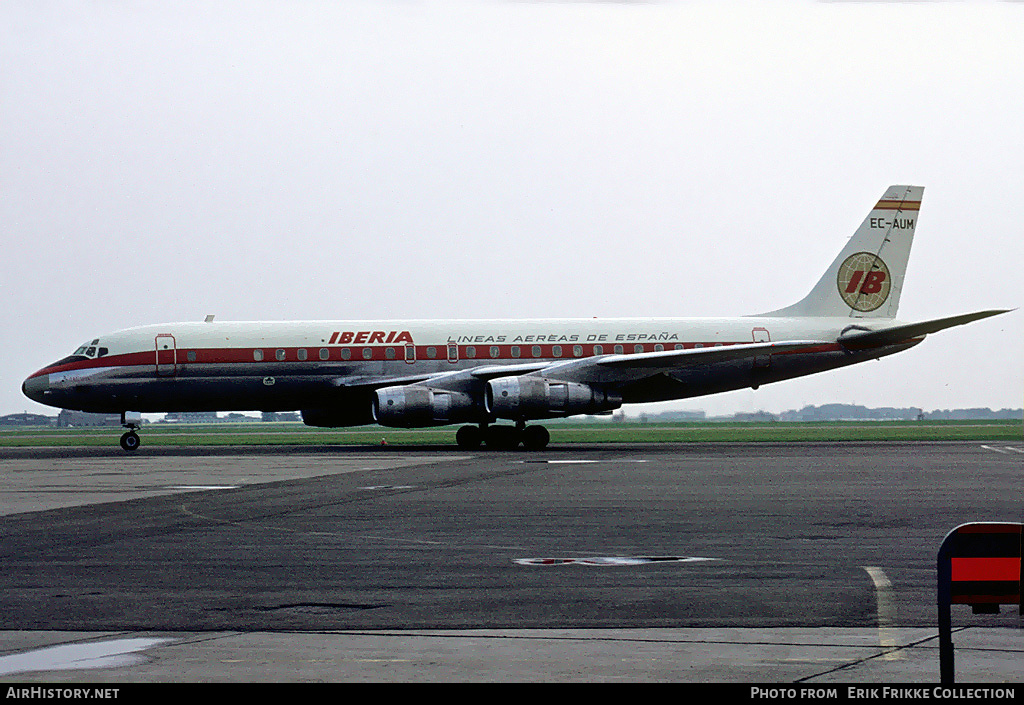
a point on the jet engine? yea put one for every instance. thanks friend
(529, 397)
(413, 405)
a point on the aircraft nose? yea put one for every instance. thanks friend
(35, 387)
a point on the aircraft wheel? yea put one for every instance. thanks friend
(130, 441)
(502, 438)
(469, 437)
(535, 438)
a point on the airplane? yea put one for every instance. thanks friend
(420, 373)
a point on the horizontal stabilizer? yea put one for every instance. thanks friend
(861, 340)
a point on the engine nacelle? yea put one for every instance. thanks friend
(413, 405)
(529, 397)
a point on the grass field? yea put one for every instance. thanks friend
(259, 433)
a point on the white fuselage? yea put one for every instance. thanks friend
(329, 365)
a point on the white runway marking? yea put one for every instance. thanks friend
(1005, 450)
(613, 560)
(202, 487)
(886, 613)
(389, 487)
(582, 461)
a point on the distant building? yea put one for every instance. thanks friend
(27, 419)
(80, 419)
(280, 416)
(237, 417)
(190, 417)
(755, 416)
(851, 412)
(678, 416)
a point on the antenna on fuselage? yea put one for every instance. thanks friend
(209, 318)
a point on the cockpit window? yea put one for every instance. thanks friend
(88, 351)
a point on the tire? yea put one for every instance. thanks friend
(469, 437)
(130, 441)
(535, 438)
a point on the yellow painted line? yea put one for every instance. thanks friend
(886, 614)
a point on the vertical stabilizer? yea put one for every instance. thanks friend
(866, 279)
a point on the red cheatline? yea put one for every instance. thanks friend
(986, 569)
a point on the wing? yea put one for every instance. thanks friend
(602, 369)
(608, 369)
(439, 379)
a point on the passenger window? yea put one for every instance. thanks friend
(301, 353)
(431, 353)
(494, 351)
(638, 348)
(346, 353)
(257, 355)
(470, 351)
(577, 350)
(556, 350)
(618, 349)
(191, 355)
(536, 351)
(279, 354)
(367, 353)
(599, 350)
(389, 353)
(325, 354)
(659, 348)
(515, 351)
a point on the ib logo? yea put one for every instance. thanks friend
(864, 281)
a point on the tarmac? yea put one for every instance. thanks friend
(804, 564)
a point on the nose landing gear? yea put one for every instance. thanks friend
(130, 440)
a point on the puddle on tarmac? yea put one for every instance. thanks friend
(93, 654)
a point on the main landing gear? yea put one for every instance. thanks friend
(130, 440)
(503, 437)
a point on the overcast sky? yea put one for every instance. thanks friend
(349, 160)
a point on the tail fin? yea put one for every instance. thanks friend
(866, 279)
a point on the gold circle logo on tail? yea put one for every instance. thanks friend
(864, 281)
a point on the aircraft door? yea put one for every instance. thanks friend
(761, 335)
(166, 355)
